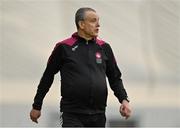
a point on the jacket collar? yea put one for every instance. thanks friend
(95, 39)
(75, 35)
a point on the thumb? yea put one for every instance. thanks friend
(122, 108)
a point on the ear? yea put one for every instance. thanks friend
(81, 24)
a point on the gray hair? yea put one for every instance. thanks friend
(80, 14)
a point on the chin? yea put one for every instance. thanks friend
(95, 35)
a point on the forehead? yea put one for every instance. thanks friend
(91, 15)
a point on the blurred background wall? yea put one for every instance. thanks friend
(144, 35)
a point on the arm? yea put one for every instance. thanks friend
(114, 77)
(53, 66)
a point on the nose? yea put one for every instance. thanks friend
(98, 25)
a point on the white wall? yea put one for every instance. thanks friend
(144, 35)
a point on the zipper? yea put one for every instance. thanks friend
(89, 66)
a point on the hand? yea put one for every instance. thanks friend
(125, 109)
(34, 115)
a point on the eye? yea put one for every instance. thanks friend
(94, 20)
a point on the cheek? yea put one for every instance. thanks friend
(89, 28)
(92, 27)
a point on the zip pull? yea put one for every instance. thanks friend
(87, 42)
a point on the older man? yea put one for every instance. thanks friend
(84, 61)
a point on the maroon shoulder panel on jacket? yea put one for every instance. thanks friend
(70, 41)
(100, 42)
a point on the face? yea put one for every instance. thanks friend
(90, 24)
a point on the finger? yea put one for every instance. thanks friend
(127, 109)
(127, 116)
(128, 112)
(34, 119)
(123, 113)
(122, 108)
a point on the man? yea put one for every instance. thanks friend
(84, 62)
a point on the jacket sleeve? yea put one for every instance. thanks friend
(53, 66)
(114, 75)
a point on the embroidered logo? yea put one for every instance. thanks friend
(74, 48)
(98, 58)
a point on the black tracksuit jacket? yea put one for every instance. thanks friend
(83, 67)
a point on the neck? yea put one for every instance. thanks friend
(83, 35)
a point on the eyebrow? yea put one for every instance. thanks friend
(95, 18)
